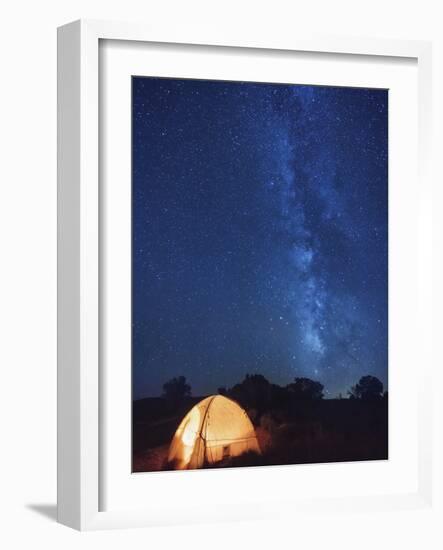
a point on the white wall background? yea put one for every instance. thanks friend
(28, 266)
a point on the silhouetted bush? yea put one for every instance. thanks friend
(254, 392)
(368, 388)
(305, 389)
(176, 389)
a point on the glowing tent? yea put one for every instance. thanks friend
(215, 429)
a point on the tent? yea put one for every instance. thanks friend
(214, 430)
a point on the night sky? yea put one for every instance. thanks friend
(260, 243)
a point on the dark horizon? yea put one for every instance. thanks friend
(193, 395)
(260, 234)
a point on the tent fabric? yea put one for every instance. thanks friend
(215, 429)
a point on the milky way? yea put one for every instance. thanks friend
(259, 233)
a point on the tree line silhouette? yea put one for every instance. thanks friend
(256, 392)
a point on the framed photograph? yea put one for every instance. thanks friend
(244, 276)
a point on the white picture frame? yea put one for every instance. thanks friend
(79, 260)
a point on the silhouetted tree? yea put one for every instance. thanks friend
(305, 389)
(254, 392)
(222, 390)
(176, 389)
(368, 388)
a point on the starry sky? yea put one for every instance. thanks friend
(260, 233)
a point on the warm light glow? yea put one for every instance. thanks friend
(215, 429)
(190, 431)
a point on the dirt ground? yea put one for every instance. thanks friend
(151, 459)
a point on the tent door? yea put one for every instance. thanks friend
(226, 452)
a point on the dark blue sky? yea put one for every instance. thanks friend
(260, 221)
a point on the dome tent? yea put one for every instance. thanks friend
(214, 429)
